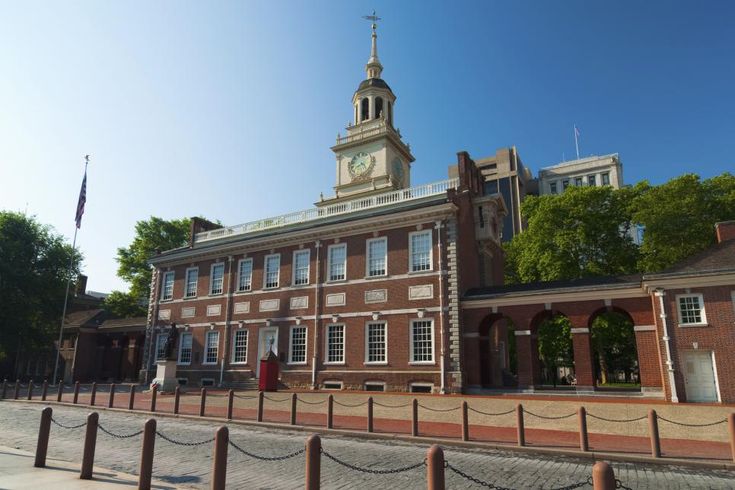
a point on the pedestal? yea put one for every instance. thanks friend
(166, 375)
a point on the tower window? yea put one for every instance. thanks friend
(378, 107)
(364, 109)
(388, 113)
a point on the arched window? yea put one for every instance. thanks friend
(388, 113)
(378, 107)
(365, 109)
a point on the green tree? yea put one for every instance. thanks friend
(613, 344)
(555, 344)
(154, 234)
(123, 305)
(34, 269)
(582, 232)
(679, 217)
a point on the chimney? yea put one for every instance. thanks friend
(81, 287)
(725, 231)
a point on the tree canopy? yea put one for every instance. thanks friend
(34, 269)
(555, 344)
(124, 305)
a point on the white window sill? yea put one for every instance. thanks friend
(419, 273)
(375, 363)
(272, 288)
(298, 286)
(422, 363)
(296, 363)
(183, 363)
(336, 281)
(382, 276)
(167, 300)
(688, 325)
(209, 363)
(239, 363)
(185, 298)
(326, 363)
(244, 291)
(215, 294)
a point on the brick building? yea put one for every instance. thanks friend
(361, 291)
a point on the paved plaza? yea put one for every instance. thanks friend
(190, 466)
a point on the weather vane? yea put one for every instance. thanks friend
(372, 18)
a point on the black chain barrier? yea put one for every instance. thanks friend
(391, 406)
(267, 458)
(492, 414)
(371, 470)
(182, 443)
(217, 395)
(471, 478)
(439, 409)
(347, 405)
(684, 424)
(118, 436)
(244, 397)
(619, 484)
(63, 426)
(301, 400)
(546, 417)
(616, 420)
(274, 400)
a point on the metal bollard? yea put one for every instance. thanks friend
(415, 418)
(5, 387)
(260, 407)
(520, 427)
(44, 390)
(230, 403)
(111, 400)
(94, 394)
(731, 427)
(131, 398)
(465, 423)
(435, 468)
(330, 411)
(154, 395)
(17, 389)
(603, 476)
(313, 462)
(202, 402)
(584, 444)
(43, 432)
(219, 456)
(29, 395)
(293, 408)
(76, 393)
(146, 455)
(60, 390)
(370, 414)
(177, 398)
(653, 431)
(90, 441)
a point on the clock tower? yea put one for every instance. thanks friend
(371, 158)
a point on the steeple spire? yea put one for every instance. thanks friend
(373, 67)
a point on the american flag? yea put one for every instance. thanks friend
(576, 131)
(82, 200)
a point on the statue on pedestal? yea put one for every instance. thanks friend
(169, 347)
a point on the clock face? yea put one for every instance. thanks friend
(361, 165)
(397, 170)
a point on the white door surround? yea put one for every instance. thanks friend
(700, 376)
(267, 338)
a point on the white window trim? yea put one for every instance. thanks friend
(410, 342)
(410, 251)
(163, 286)
(385, 341)
(211, 278)
(290, 346)
(375, 383)
(308, 267)
(340, 383)
(206, 347)
(234, 343)
(265, 272)
(186, 282)
(329, 262)
(411, 385)
(367, 256)
(181, 346)
(239, 275)
(703, 323)
(326, 344)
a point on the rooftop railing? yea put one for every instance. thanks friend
(346, 207)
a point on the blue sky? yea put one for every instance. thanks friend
(228, 109)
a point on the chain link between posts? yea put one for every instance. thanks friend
(684, 424)
(347, 405)
(636, 419)
(244, 397)
(546, 417)
(471, 478)
(371, 470)
(63, 426)
(442, 410)
(301, 400)
(491, 413)
(183, 443)
(391, 406)
(267, 458)
(274, 400)
(118, 436)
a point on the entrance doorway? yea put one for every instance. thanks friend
(699, 376)
(267, 339)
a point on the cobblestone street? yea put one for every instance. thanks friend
(190, 466)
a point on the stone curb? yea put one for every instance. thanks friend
(593, 455)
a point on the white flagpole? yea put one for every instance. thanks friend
(576, 141)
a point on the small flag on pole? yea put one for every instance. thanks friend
(82, 198)
(576, 140)
(576, 131)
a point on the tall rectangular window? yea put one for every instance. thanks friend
(301, 267)
(578, 181)
(420, 251)
(240, 345)
(167, 287)
(591, 180)
(272, 269)
(335, 344)
(191, 282)
(185, 348)
(217, 278)
(160, 341)
(297, 345)
(422, 341)
(377, 256)
(376, 343)
(552, 188)
(691, 309)
(211, 347)
(605, 178)
(337, 259)
(564, 184)
(245, 275)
